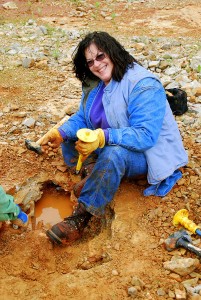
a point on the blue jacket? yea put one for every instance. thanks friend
(140, 118)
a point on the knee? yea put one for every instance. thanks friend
(110, 150)
(113, 154)
(69, 153)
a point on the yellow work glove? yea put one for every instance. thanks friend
(86, 148)
(52, 139)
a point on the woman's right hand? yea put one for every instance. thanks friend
(52, 139)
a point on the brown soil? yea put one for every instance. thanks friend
(102, 264)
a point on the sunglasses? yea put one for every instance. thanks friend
(99, 57)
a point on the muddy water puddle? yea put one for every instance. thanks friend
(53, 207)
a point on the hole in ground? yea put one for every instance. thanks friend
(53, 206)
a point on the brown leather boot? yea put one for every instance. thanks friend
(85, 173)
(71, 228)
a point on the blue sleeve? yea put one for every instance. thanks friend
(146, 111)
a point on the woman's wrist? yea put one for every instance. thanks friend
(106, 133)
(63, 134)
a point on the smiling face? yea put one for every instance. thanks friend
(100, 65)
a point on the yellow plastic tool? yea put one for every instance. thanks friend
(88, 136)
(181, 217)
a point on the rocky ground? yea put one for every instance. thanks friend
(122, 256)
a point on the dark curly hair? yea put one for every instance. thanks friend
(121, 59)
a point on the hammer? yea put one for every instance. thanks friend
(35, 146)
(181, 239)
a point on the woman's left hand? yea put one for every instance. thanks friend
(86, 148)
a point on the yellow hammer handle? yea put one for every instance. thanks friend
(79, 164)
(188, 224)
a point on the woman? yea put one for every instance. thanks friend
(137, 134)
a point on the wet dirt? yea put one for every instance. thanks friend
(128, 242)
(53, 207)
